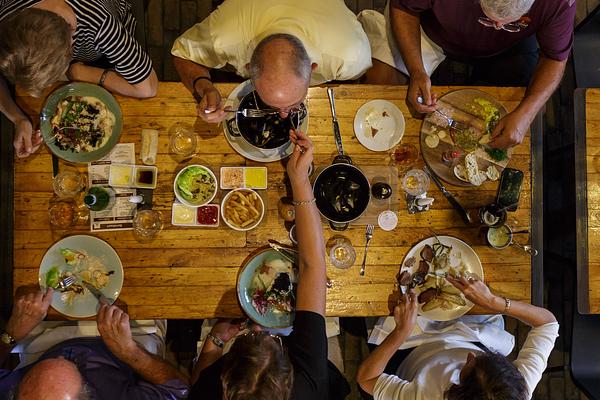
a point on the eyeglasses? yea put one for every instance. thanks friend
(512, 27)
(276, 338)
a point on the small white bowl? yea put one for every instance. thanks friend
(186, 202)
(251, 226)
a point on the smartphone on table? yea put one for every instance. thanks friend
(509, 190)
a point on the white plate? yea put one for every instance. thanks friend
(472, 263)
(390, 126)
(240, 145)
(84, 305)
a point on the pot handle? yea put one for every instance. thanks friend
(336, 127)
(336, 226)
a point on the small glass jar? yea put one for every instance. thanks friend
(147, 224)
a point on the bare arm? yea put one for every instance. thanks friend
(407, 31)
(114, 328)
(405, 315)
(25, 143)
(512, 128)
(477, 292)
(115, 82)
(210, 104)
(311, 290)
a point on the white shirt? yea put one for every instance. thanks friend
(332, 36)
(430, 369)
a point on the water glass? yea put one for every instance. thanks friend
(183, 141)
(415, 182)
(62, 214)
(68, 184)
(340, 251)
(147, 224)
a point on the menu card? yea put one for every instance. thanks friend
(120, 216)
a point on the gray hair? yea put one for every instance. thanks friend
(299, 63)
(506, 9)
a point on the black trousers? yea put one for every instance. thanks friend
(513, 67)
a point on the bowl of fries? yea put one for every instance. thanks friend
(242, 209)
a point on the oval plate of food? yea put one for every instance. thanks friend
(266, 289)
(81, 122)
(444, 149)
(379, 125)
(426, 265)
(91, 260)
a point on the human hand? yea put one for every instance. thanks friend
(300, 160)
(114, 328)
(510, 130)
(420, 86)
(226, 329)
(26, 142)
(29, 309)
(210, 104)
(405, 313)
(476, 292)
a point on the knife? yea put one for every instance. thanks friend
(464, 214)
(102, 299)
(336, 126)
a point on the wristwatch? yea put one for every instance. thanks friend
(7, 339)
(216, 340)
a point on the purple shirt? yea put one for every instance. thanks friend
(453, 25)
(106, 375)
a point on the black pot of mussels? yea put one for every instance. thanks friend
(342, 191)
(268, 132)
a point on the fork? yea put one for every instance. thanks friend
(452, 123)
(252, 113)
(368, 236)
(52, 139)
(65, 283)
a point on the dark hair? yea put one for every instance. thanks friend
(35, 49)
(299, 62)
(492, 377)
(257, 367)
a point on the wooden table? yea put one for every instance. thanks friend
(191, 272)
(587, 175)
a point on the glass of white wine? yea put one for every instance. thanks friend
(415, 182)
(340, 251)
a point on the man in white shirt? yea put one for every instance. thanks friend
(282, 45)
(451, 367)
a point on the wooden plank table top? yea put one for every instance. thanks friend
(587, 160)
(191, 272)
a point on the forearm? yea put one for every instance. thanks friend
(115, 83)
(188, 71)
(546, 78)
(8, 106)
(208, 355)
(313, 271)
(150, 367)
(524, 312)
(374, 365)
(407, 31)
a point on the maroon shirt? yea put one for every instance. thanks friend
(453, 25)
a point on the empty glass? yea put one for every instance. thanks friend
(183, 141)
(68, 184)
(340, 252)
(415, 182)
(147, 224)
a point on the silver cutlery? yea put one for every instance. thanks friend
(292, 256)
(368, 236)
(253, 113)
(452, 123)
(102, 299)
(65, 283)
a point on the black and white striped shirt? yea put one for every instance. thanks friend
(105, 28)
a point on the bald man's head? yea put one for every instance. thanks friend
(52, 379)
(280, 69)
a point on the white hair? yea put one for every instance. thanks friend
(506, 10)
(299, 63)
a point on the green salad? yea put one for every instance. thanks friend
(196, 185)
